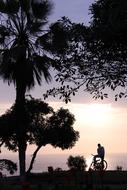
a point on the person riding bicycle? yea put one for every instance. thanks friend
(100, 153)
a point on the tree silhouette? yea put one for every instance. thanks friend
(43, 126)
(10, 166)
(101, 53)
(71, 50)
(108, 45)
(28, 51)
(77, 163)
(22, 61)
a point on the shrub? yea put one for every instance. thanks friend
(119, 168)
(77, 163)
(50, 169)
(9, 165)
(58, 169)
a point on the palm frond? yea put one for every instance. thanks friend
(9, 6)
(41, 9)
(18, 34)
(4, 32)
(42, 66)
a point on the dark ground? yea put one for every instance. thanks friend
(70, 180)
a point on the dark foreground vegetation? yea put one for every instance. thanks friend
(66, 180)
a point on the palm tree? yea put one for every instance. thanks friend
(22, 60)
(28, 51)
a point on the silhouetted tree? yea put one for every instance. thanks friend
(22, 61)
(28, 51)
(108, 45)
(77, 163)
(101, 53)
(43, 126)
(58, 132)
(71, 50)
(10, 166)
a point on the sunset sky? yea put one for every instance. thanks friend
(97, 121)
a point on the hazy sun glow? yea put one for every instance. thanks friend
(94, 114)
(98, 122)
(95, 122)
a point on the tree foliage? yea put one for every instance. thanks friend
(98, 59)
(77, 163)
(8, 165)
(73, 68)
(108, 42)
(28, 53)
(43, 126)
(29, 50)
(22, 61)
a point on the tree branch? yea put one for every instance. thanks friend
(33, 159)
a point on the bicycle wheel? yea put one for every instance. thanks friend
(101, 165)
(92, 167)
(98, 166)
(105, 165)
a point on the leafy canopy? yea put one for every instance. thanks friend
(108, 44)
(100, 51)
(43, 126)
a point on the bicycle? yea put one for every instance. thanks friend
(99, 165)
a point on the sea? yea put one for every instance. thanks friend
(42, 162)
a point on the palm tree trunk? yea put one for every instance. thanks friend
(22, 159)
(33, 159)
(21, 129)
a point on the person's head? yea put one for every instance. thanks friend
(99, 145)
